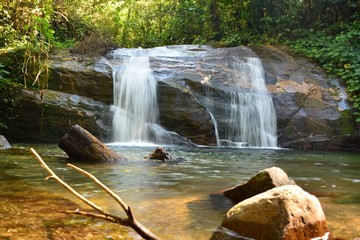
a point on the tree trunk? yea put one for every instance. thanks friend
(81, 145)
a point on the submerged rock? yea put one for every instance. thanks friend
(282, 213)
(162, 155)
(264, 180)
(159, 154)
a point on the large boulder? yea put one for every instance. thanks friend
(263, 181)
(282, 213)
(45, 116)
(84, 77)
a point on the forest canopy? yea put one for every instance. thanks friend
(148, 23)
(327, 31)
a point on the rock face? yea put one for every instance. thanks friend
(90, 78)
(312, 110)
(263, 181)
(193, 81)
(45, 116)
(285, 213)
(181, 113)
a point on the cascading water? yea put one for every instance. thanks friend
(238, 103)
(250, 114)
(135, 102)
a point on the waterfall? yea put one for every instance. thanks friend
(238, 102)
(250, 114)
(215, 128)
(135, 102)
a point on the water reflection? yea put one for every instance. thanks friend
(179, 199)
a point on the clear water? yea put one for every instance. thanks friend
(180, 200)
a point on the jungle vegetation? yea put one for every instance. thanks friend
(327, 31)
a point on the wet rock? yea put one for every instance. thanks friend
(160, 154)
(312, 109)
(45, 116)
(4, 144)
(264, 180)
(88, 78)
(286, 212)
(181, 113)
(222, 233)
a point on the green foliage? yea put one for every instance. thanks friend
(8, 99)
(188, 22)
(3, 80)
(3, 73)
(26, 25)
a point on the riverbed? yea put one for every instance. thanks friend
(177, 200)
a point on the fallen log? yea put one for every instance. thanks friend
(81, 145)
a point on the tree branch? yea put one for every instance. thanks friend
(130, 221)
(105, 188)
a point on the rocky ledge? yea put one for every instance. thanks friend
(311, 107)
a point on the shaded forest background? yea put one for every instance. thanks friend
(328, 31)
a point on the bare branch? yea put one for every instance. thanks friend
(64, 184)
(130, 221)
(38, 75)
(106, 189)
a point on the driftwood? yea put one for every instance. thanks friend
(129, 221)
(81, 145)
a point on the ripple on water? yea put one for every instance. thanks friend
(181, 195)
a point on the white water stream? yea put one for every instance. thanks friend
(135, 102)
(250, 119)
(250, 113)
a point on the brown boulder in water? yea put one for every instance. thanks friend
(160, 154)
(282, 213)
(264, 180)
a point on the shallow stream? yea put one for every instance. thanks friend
(176, 200)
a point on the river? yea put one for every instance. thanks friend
(176, 200)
